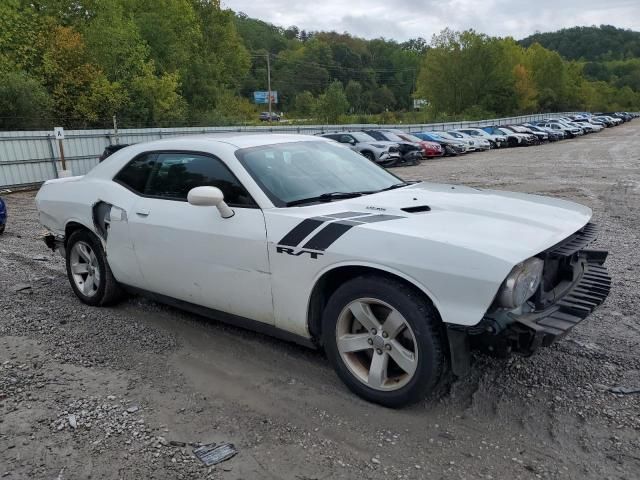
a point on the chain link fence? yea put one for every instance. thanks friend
(30, 158)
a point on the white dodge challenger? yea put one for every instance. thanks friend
(302, 238)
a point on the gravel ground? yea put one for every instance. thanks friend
(126, 392)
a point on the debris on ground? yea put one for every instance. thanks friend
(21, 287)
(624, 390)
(211, 455)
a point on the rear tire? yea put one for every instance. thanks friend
(384, 340)
(88, 271)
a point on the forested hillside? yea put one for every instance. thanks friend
(609, 54)
(77, 63)
(605, 42)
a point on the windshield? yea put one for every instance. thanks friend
(411, 138)
(290, 172)
(392, 137)
(446, 135)
(455, 134)
(362, 137)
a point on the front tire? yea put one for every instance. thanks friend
(88, 271)
(384, 340)
(369, 156)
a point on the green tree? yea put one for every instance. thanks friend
(333, 103)
(221, 64)
(113, 41)
(353, 91)
(549, 74)
(305, 104)
(170, 28)
(23, 101)
(155, 101)
(22, 37)
(73, 81)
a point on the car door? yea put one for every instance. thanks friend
(190, 252)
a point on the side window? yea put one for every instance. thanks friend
(177, 173)
(136, 173)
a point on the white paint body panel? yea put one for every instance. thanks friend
(458, 253)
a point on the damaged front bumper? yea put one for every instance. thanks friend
(574, 284)
(540, 328)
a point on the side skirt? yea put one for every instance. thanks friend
(228, 318)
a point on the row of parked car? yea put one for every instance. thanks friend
(394, 147)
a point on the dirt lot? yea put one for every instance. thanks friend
(134, 378)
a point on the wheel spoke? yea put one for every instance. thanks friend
(364, 315)
(93, 260)
(84, 252)
(405, 359)
(378, 370)
(79, 268)
(394, 324)
(96, 281)
(87, 285)
(353, 342)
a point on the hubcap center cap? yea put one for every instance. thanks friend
(378, 342)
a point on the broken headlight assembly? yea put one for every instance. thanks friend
(520, 284)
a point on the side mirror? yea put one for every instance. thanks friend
(210, 197)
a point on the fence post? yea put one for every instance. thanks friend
(53, 156)
(115, 129)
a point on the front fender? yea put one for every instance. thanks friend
(375, 266)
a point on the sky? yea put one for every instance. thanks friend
(404, 19)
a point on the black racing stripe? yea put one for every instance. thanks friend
(378, 218)
(329, 234)
(300, 232)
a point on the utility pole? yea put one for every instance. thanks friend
(269, 83)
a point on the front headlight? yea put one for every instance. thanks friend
(520, 284)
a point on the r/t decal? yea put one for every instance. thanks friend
(291, 251)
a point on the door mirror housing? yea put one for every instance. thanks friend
(210, 197)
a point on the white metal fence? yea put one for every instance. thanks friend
(30, 158)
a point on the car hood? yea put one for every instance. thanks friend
(449, 141)
(510, 226)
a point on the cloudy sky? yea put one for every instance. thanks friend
(404, 19)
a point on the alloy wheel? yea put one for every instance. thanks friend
(85, 269)
(377, 344)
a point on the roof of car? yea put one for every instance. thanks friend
(237, 139)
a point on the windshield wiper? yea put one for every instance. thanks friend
(397, 185)
(326, 197)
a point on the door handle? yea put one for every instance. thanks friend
(143, 212)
